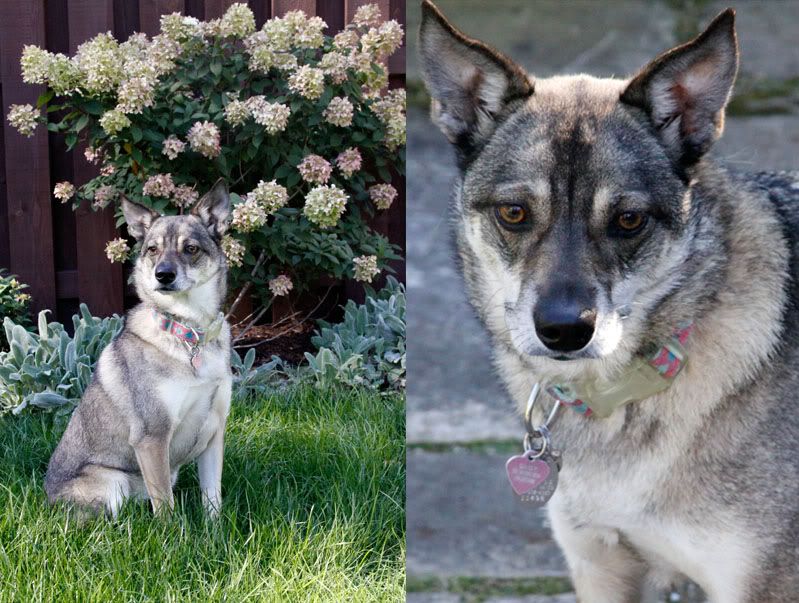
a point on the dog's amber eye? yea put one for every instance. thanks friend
(629, 222)
(511, 215)
(152, 249)
(192, 249)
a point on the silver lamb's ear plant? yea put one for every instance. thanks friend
(49, 369)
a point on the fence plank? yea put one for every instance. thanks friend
(396, 62)
(30, 228)
(281, 7)
(150, 12)
(216, 8)
(99, 282)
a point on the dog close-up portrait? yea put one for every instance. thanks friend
(639, 296)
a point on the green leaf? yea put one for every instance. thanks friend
(45, 97)
(81, 123)
(93, 107)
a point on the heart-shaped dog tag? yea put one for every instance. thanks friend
(533, 479)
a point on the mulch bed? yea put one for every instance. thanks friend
(290, 342)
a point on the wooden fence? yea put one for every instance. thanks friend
(60, 253)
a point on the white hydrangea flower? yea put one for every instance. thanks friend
(273, 116)
(135, 94)
(382, 195)
(309, 33)
(179, 27)
(365, 268)
(184, 196)
(237, 112)
(308, 82)
(270, 195)
(248, 216)
(383, 41)
(159, 185)
(103, 196)
(101, 63)
(367, 15)
(315, 168)
(233, 250)
(339, 112)
(117, 250)
(238, 21)
(173, 146)
(35, 63)
(24, 118)
(278, 34)
(93, 155)
(285, 61)
(203, 137)
(334, 65)
(280, 285)
(107, 169)
(349, 161)
(346, 40)
(114, 121)
(390, 110)
(64, 191)
(324, 205)
(261, 59)
(63, 75)
(162, 54)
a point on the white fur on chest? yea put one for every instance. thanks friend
(193, 405)
(613, 502)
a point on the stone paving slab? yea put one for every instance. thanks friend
(463, 520)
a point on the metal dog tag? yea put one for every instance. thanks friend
(532, 478)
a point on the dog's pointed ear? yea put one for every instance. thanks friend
(213, 209)
(685, 90)
(138, 218)
(470, 83)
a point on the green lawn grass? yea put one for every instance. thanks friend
(314, 488)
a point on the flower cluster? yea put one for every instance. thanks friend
(334, 65)
(135, 94)
(382, 195)
(248, 216)
(365, 268)
(100, 63)
(237, 112)
(92, 155)
(349, 161)
(117, 250)
(280, 285)
(238, 21)
(103, 196)
(160, 185)
(367, 15)
(233, 250)
(315, 168)
(339, 112)
(64, 191)
(184, 196)
(24, 118)
(324, 205)
(390, 110)
(179, 28)
(173, 147)
(114, 121)
(270, 196)
(381, 42)
(308, 82)
(274, 117)
(203, 137)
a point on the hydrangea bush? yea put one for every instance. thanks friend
(300, 124)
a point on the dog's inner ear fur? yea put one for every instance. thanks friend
(213, 209)
(470, 83)
(138, 217)
(685, 90)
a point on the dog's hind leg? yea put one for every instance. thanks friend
(153, 457)
(603, 569)
(93, 490)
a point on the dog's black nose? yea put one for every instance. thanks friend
(565, 319)
(165, 273)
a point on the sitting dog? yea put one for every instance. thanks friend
(651, 293)
(160, 394)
